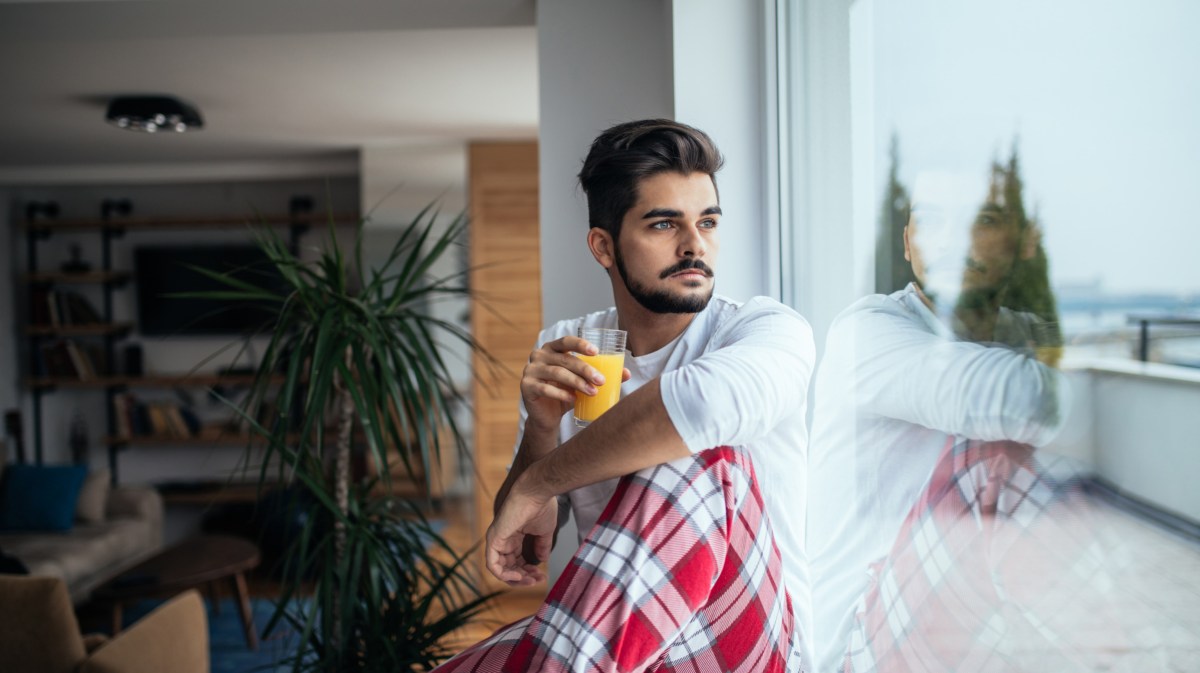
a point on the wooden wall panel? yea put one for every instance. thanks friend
(506, 275)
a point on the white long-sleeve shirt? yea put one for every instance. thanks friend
(737, 376)
(894, 386)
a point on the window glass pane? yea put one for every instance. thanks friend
(996, 480)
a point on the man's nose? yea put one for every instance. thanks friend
(692, 243)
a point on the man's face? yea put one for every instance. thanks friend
(995, 239)
(667, 248)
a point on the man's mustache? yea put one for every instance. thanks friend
(687, 265)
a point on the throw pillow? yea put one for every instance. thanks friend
(93, 497)
(40, 497)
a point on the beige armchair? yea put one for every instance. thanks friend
(39, 632)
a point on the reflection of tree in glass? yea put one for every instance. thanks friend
(1006, 296)
(892, 271)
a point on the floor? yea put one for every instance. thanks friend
(1136, 604)
(1089, 587)
(1147, 579)
(1155, 593)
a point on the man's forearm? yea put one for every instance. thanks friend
(535, 444)
(635, 434)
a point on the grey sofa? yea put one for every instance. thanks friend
(91, 553)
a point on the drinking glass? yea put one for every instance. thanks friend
(610, 362)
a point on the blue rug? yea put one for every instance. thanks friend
(228, 651)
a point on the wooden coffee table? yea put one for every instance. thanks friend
(198, 562)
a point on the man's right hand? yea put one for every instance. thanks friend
(550, 379)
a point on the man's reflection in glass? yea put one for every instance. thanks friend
(926, 497)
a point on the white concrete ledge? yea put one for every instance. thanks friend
(1146, 370)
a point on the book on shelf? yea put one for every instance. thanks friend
(159, 425)
(140, 420)
(81, 361)
(52, 308)
(179, 428)
(54, 360)
(78, 310)
(58, 308)
(160, 419)
(67, 359)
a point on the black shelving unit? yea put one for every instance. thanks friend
(41, 224)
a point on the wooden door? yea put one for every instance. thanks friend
(506, 275)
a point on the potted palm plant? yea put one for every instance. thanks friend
(354, 363)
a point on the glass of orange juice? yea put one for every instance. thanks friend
(609, 360)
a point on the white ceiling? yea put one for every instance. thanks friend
(276, 80)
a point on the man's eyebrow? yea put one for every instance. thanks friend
(654, 213)
(661, 212)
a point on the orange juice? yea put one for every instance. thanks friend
(589, 407)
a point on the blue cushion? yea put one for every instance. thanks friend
(40, 497)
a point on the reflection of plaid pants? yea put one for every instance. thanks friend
(982, 573)
(681, 573)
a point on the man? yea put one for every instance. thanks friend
(921, 468)
(689, 548)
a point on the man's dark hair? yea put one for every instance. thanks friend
(627, 153)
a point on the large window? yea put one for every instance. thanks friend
(1019, 176)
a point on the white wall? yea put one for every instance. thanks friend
(599, 64)
(1147, 433)
(1135, 426)
(397, 182)
(1077, 439)
(721, 90)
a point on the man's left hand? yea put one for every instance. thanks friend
(522, 515)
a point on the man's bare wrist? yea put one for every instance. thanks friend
(539, 442)
(542, 430)
(531, 485)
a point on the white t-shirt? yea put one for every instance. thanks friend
(737, 376)
(893, 387)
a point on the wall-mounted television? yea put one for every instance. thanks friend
(161, 271)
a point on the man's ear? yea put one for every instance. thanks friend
(600, 242)
(907, 251)
(1030, 241)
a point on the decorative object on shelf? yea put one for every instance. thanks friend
(76, 263)
(150, 114)
(358, 352)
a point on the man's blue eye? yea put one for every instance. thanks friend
(660, 225)
(710, 224)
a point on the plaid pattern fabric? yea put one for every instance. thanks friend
(680, 573)
(982, 572)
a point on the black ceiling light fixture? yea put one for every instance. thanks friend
(151, 114)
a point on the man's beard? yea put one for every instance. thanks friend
(662, 301)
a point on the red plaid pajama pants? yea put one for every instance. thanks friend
(995, 569)
(680, 573)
